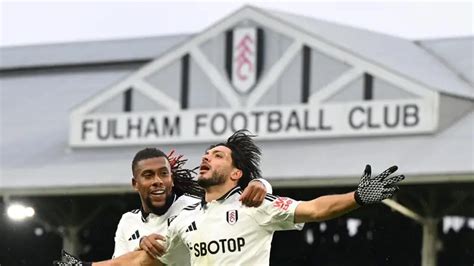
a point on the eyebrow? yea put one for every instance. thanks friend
(152, 170)
(216, 151)
(146, 171)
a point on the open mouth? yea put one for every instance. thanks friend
(157, 192)
(204, 168)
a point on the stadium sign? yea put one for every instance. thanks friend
(285, 122)
(238, 76)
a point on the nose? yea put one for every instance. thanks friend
(205, 158)
(157, 180)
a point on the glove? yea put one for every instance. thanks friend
(68, 260)
(373, 190)
(61, 263)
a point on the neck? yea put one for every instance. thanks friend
(217, 191)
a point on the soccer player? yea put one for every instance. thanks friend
(165, 188)
(220, 231)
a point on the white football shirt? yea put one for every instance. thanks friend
(224, 232)
(135, 224)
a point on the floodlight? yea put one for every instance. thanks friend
(18, 212)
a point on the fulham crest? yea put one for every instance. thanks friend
(232, 216)
(244, 58)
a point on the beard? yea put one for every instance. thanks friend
(161, 209)
(215, 179)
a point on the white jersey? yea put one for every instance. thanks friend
(224, 232)
(135, 224)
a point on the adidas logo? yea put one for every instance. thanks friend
(134, 236)
(191, 227)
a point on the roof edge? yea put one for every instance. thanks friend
(93, 41)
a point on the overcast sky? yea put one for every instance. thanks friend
(38, 22)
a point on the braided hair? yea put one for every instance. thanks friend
(183, 178)
(245, 155)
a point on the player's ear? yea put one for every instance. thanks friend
(134, 184)
(236, 174)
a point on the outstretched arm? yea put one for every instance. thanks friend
(325, 208)
(135, 258)
(369, 191)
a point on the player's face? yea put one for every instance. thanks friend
(153, 181)
(216, 166)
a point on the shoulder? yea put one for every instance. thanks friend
(183, 202)
(274, 202)
(131, 215)
(193, 206)
(133, 212)
(184, 216)
(130, 218)
(189, 210)
(270, 197)
(189, 199)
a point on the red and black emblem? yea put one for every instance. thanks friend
(244, 57)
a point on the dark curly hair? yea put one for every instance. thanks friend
(245, 155)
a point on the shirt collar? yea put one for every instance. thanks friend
(229, 193)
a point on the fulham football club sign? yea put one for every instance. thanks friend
(252, 72)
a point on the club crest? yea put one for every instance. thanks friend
(244, 66)
(232, 216)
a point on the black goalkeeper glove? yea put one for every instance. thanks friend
(376, 189)
(69, 260)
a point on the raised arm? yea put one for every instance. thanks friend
(369, 191)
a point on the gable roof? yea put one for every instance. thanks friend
(367, 51)
(396, 54)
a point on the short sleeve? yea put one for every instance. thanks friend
(120, 241)
(277, 214)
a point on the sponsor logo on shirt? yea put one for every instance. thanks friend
(221, 246)
(282, 203)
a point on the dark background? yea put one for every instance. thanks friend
(385, 237)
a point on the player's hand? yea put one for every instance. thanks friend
(153, 245)
(375, 189)
(254, 194)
